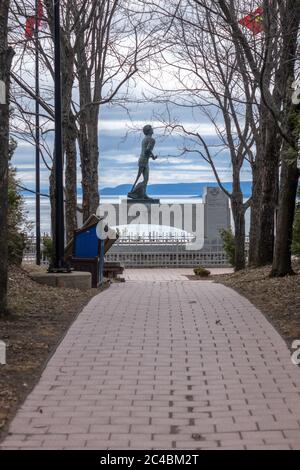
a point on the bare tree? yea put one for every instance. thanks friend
(24, 97)
(260, 61)
(209, 81)
(118, 40)
(282, 264)
(267, 61)
(277, 99)
(70, 133)
(6, 55)
(102, 45)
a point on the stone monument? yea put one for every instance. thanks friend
(216, 214)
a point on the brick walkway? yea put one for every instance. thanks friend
(165, 365)
(170, 274)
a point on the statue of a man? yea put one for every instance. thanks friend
(138, 191)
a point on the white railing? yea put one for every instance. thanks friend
(187, 259)
(136, 252)
(164, 252)
(29, 254)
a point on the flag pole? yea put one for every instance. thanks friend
(37, 139)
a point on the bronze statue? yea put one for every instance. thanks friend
(138, 191)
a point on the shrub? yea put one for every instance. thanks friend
(228, 244)
(48, 249)
(202, 272)
(16, 245)
(16, 220)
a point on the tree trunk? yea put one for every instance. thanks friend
(6, 55)
(70, 134)
(282, 265)
(269, 197)
(255, 211)
(239, 238)
(52, 201)
(88, 130)
(238, 212)
(89, 155)
(69, 130)
(264, 193)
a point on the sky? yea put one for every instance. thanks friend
(120, 136)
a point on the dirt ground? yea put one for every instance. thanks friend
(278, 299)
(40, 316)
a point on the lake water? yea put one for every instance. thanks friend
(45, 209)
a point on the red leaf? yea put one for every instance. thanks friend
(30, 21)
(254, 21)
(40, 12)
(29, 28)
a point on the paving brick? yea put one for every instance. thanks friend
(145, 366)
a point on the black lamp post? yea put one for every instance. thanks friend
(59, 234)
(37, 139)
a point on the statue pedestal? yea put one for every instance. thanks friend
(139, 195)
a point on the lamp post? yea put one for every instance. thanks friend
(37, 139)
(59, 234)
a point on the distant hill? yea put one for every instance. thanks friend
(176, 189)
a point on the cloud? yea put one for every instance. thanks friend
(120, 145)
(111, 126)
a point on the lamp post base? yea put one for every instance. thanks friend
(64, 270)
